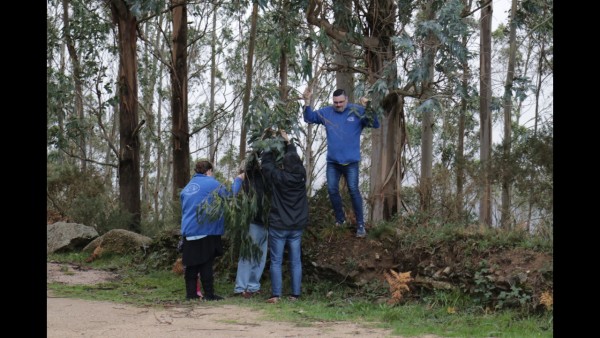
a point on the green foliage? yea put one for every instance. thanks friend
(82, 197)
(162, 251)
(484, 285)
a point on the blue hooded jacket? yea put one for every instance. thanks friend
(343, 130)
(202, 189)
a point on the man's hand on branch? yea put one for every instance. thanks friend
(307, 94)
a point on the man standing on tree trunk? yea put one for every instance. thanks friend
(343, 123)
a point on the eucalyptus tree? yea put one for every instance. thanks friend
(179, 98)
(423, 38)
(506, 217)
(541, 31)
(129, 124)
(528, 71)
(485, 118)
(76, 28)
(249, 70)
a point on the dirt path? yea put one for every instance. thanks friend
(81, 318)
(67, 317)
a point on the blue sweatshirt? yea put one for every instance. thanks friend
(201, 190)
(343, 130)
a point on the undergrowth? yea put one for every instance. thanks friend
(447, 314)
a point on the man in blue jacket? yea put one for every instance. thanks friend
(343, 123)
(202, 225)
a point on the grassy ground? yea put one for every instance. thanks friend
(442, 314)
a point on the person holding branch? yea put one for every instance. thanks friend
(344, 123)
(288, 216)
(202, 225)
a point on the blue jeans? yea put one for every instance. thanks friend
(278, 240)
(350, 172)
(250, 271)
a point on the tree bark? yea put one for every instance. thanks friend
(129, 127)
(78, 86)
(485, 89)
(249, 70)
(506, 218)
(179, 100)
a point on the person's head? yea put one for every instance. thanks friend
(204, 166)
(340, 100)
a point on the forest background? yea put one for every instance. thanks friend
(139, 90)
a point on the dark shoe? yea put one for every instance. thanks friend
(213, 297)
(196, 297)
(273, 299)
(249, 294)
(293, 298)
(361, 232)
(340, 224)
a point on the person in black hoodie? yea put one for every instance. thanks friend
(288, 216)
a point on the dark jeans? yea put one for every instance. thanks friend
(350, 172)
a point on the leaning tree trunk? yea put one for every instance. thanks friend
(129, 153)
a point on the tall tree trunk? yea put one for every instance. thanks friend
(485, 89)
(540, 72)
(388, 140)
(78, 86)
(506, 219)
(129, 153)
(212, 147)
(249, 70)
(429, 51)
(344, 76)
(179, 102)
(160, 182)
(151, 161)
(460, 144)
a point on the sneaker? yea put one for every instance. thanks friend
(340, 224)
(293, 298)
(361, 232)
(213, 297)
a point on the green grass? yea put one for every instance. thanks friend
(320, 302)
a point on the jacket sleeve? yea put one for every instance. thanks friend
(312, 116)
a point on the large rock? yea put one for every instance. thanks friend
(119, 241)
(64, 237)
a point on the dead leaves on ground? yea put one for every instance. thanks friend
(398, 282)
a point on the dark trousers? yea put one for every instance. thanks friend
(206, 278)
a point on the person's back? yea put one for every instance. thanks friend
(288, 217)
(289, 202)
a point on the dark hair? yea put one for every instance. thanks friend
(339, 92)
(202, 166)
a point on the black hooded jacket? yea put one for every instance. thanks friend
(289, 203)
